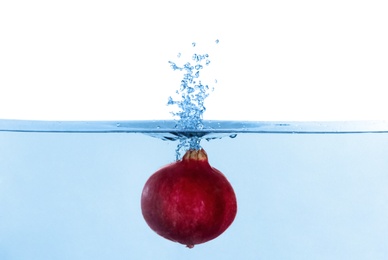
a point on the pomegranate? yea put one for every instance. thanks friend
(189, 201)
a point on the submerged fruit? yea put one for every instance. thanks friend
(189, 201)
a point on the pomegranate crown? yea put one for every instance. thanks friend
(197, 155)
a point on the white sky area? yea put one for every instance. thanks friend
(276, 60)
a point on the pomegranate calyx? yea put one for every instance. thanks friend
(196, 155)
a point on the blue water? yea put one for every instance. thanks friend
(190, 98)
(74, 192)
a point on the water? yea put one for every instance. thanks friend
(305, 190)
(190, 99)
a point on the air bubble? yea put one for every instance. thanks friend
(191, 98)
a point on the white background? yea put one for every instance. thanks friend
(276, 60)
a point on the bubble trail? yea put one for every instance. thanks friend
(191, 97)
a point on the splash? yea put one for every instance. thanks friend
(191, 97)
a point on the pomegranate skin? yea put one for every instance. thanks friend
(189, 201)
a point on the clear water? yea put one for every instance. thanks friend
(190, 98)
(71, 190)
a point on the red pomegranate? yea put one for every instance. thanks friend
(189, 201)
